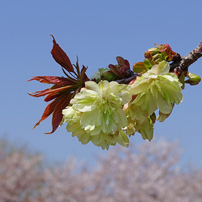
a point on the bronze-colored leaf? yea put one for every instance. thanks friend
(61, 57)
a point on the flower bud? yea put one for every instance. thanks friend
(193, 79)
(159, 57)
(150, 52)
(167, 52)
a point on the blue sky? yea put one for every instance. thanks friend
(96, 31)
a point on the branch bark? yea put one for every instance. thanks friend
(133, 76)
(186, 61)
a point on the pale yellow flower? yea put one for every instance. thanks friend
(96, 114)
(157, 88)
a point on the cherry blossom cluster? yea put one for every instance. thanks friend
(117, 101)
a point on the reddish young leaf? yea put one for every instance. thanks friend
(52, 80)
(57, 114)
(61, 57)
(84, 77)
(48, 91)
(53, 96)
(126, 63)
(115, 70)
(122, 70)
(57, 94)
(62, 90)
(47, 112)
(120, 60)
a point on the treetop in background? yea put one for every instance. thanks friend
(116, 102)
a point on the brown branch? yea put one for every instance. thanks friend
(129, 79)
(186, 61)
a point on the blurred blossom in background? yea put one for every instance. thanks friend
(149, 172)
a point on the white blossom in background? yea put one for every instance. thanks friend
(21, 174)
(149, 172)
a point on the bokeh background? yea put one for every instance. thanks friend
(96, 31)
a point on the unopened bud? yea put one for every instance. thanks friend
(193, 79)
(150, 52)
(166, 51)
(157, 58)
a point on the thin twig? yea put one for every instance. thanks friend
(129, 79)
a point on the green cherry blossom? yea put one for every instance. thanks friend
(96, 114)
(157, 88)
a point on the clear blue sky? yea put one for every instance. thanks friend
(96, 31)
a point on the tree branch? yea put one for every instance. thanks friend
(133, 76)
(186, 61)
